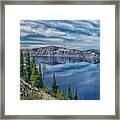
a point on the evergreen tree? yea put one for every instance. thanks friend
(75, 94)
(54, 85)
(69, 94)
(48, 89)
(33, 62)
(21, 64)
(39, 79)
(60, 94)
(34, 77)
(27, 67)
(34, 73)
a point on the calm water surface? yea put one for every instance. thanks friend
(81, 75)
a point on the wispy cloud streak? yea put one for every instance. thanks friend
(78, 34)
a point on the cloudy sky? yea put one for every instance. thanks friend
(77, 34)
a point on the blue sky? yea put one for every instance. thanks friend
(75, 34)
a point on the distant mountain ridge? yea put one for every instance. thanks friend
(92, 56)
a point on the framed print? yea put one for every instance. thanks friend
(60, 60)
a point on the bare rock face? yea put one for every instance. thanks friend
(27, 90)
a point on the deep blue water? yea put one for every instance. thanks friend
(81, 75)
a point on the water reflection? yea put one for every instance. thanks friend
(51, 60)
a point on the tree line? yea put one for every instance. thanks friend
(56, 92)
(35, 77)
(29, 72)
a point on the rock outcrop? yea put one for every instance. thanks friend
(27, 90)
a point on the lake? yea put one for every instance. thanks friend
(79, 74)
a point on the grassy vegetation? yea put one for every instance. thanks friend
(33, 96)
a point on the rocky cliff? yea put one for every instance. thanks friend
(27, 92)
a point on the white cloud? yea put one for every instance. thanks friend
(61, 32)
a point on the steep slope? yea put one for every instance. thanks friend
(27, 92)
